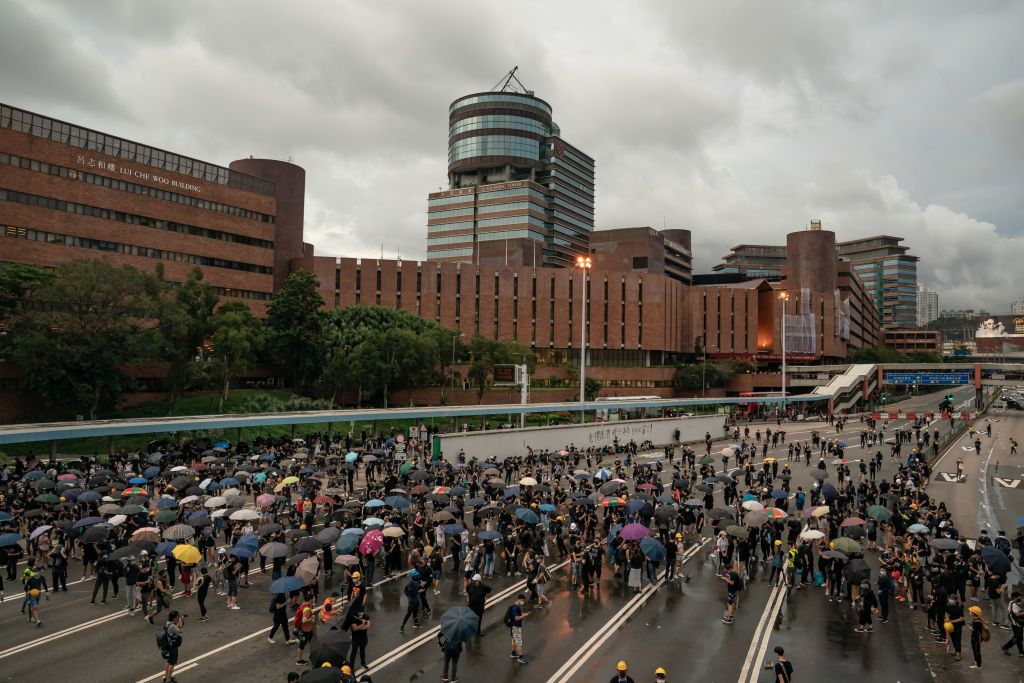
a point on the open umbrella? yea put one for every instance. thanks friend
(346, 560)
(944, 544)
(852, 521)
(812, 535)
(652, 549)
(39, 531)
(179, 532)
(634, 532)
(918, 529)
(459, 624)
(330, 644)
(857, 570)
(879, 513)
(453, 529)
(996, 560)
(95, 534)
(723, 513)
(273, 549)
(286, 584)
(835, 555)
(527, 515)
(308, 569)
(737, 531)
(752, 506)
(309, 544)
(245, 514)
(846, 545)
(372, 542)
(187, 554)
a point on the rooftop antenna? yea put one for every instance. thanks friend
(505, 84)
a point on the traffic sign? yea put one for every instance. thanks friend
(928, 378)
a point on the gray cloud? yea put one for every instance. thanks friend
(739, 120)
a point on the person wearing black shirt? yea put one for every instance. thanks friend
(476, 597)
(955, 615)
(783, 667)
(357, 621)
(866, 603)
(104, 572)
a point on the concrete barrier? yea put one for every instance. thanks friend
(496, 445)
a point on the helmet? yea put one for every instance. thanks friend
(326, 665)
(302, 526)
(356, 575)
(975, 610)
(621, 666)
(346, 670)
(572, 526)
(948, 626)
(778, 543)
(678, 535)
(144, 553)
(660, 671)
(414, 573)
(476, 577)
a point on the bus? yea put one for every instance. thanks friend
(748, 409)
(606, 414)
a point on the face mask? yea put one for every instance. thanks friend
(951, 603)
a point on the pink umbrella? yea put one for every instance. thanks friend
(372, 542)
(66, 477)
(266, 499)
(634, 532)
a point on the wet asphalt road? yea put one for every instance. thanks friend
(676, 625)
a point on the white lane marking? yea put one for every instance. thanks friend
(578, 658)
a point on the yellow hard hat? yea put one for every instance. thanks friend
(660, 671)
(621, 666)
(346, 670)
(948, 626)
(302, 526)
(778, 542)
(975, 610)
(356, 575)
(326, 665)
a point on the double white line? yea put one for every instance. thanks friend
(579, 658)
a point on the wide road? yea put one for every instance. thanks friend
(676, 625)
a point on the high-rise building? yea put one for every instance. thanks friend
(927, 305)
(1017, 307)
(517, 191)
(644, 249)
(889, 273)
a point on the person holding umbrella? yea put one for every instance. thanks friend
(476, 597)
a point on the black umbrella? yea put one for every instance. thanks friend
(665, 514)
(944, 544)
(95, 534)
(459, 624)
(720, 513)
(857, 570)
(323, 675)
(309, 544)
(996, 560)
(180, 482)
(330, 644)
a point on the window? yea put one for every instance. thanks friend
(639, 262)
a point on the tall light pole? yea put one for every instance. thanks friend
(584, 264)
(785, 297)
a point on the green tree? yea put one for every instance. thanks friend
(85, 326)
(236, 342)
(486, 353)
(295, 324)
(591, 388)
(186, 318)
(18, 284)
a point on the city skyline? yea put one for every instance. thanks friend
(748, 137)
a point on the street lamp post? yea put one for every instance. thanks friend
(454, 339)
(584, 264)
(785, 297)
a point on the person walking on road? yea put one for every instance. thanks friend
(169, 639)
(357, 621)
(279, 609)
(733, 584)
(476, 598)
(1016, 611)
(412, 594)
(514, 621)
(202, 590)
(783, 667)
(979, 632)
(304, 624)
(452, 651)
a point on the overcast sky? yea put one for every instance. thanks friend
(739, 120)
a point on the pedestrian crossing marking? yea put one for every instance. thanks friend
(1008, 483)
(950, 477)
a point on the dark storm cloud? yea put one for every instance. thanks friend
(739, 120)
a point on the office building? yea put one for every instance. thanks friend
(1017, 307)
(960, 313)
(910, 341)
(518, 193)
(889, 273)
(927, 305)
(754, 261)
(68, 192)
(644, 249)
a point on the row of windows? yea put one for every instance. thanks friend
(444, 201)
(130, 249)
(555, 179)
(446, 253)
(500, 97)
(586, 173)
(234, 293)
(509, 206)
(446, 227)
(499, 121)
(448, 213)
(451, 239)
(134, 188)
(510, 220)
(569, 154)
(509, 235)
(493, 145)
(570, 219)
(515, 192)
(133, 219)
(65, 133)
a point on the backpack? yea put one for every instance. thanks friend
(985, 633)
(507, 619)
(297, 620)
(162, 640)
(1003, 544)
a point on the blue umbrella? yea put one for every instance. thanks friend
(90, 496)
(749, 496)
(5, 516)
(547, 507)
(221, 444)
(138, 481)
(511, 491)
(33, 475)
(459, 624)
(286, 584)
(250, 540)
(458, 491)
(489, 535)
(347, 544)
(87, 521)
(453, 529)
(841, 444)
(266, 457)
(241, 551)
(375, 503)
(165, 548)
(70, 494)
(353, 531)
(614, 531)
(213, 485)
(1020, 520)
(397, 502)
(527, 515)
(198, 515)
(473, 502)
(9, 539)
(634, 505)
(779, 494)
(150, 472)
(652, 549)
(351, 457)
(603, 473)
(166, 503)
(229, 481)
(996, 560)
(829, 492)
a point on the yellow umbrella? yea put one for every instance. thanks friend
(187, 554)
(290, 480)
(393, 532)
(820, 511)
(769, 459)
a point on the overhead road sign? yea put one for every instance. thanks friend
(928, 378)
